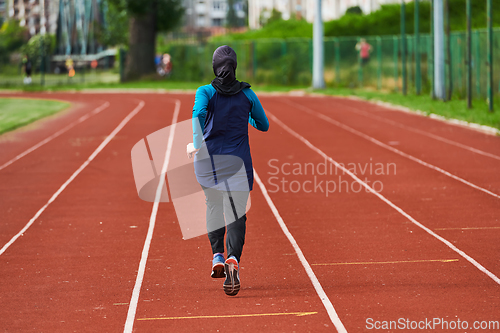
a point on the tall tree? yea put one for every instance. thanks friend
(146, 19)
(231, 18)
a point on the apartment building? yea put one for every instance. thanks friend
(39, 16)
(206, 14)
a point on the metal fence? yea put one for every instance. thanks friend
(53, 70)
(289, 62)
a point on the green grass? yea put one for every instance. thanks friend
(455, 109)
(17, 112)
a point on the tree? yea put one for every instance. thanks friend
(145, 19)
(276, 15)
(231, 18)
(267, 16)
(12, 37)
(116, 30)
(356, 10)
(33, 49)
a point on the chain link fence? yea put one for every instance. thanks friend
(289, 62)
(61, 70)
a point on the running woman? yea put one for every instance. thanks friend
(223, 110)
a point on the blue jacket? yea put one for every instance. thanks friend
(223, 121)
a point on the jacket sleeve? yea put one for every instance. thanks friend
(257, 117)
(201, 100)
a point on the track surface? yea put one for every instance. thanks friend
(75, 267)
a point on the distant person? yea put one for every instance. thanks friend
(167, 64)
(223, 110)
(70, 67)
(159, 65)
(27, 70)
(364, 51)
(158, 60)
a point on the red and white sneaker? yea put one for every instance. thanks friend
(232, 283)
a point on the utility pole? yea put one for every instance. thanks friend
(439, 65)
(403, 46)
(431, 60)
(448, 49)
(489, 13)
(469, 56)
(318, 77)
(418, 86)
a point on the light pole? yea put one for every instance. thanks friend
(318, 78)
(439, 67)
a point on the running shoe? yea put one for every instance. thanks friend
(232, 283)
(218, 266)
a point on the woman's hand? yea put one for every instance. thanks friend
(191, 150)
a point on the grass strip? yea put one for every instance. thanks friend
(17, 112)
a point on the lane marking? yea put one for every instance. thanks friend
(56, 134)
(297, 314)
(415, 130)
(132, 309)
(75, 174)
(385, 262)
(317, 286)
(470, 228)
(394, 150)
(120, 303)
(387, 201)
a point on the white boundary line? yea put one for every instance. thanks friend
(75, 174)
(55, 135)
(317, 286)
(129, 324)
(384, 199)
(415, 130)
(394, 150)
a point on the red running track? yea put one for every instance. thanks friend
(75, 267)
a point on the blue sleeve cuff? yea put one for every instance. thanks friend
(257, 117)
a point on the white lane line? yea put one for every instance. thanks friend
(129, 324)
(387, 201)
(74, 175)
(397, 151)
(317, 286)
(56, 134)
(415, 130)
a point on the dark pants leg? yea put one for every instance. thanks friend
(216, 226)
(226, 208)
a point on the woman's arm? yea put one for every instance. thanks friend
(257, 117)
(201, 100)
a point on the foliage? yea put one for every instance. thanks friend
(356, 10)
(276, 15)
(385, 21)
(231, 18)
(274, 29)
(116, 30)
(168, 13)
(12, 37)
(33, 49)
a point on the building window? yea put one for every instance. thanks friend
(200, 21)
(218, 5)
(217, 22)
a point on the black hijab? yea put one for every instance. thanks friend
(224, 64)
